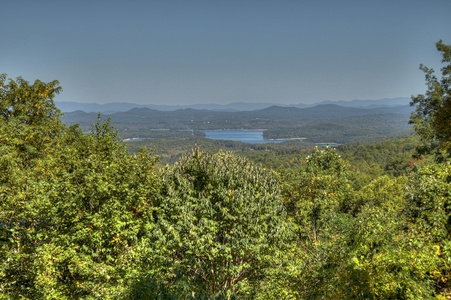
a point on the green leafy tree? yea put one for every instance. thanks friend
(319, 196)
(75, 209)
(429, 209)
(431, 119)
(356, 245)
(322, 191)
(221, 221)
(102, 200)
(29, 125)
(29, 119)
(387, 258)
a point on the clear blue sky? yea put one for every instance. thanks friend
(192, 51)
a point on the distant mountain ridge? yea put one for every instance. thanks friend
(111, 108)
(189, 118)
(326, 122)
(386, 102)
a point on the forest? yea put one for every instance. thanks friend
(83, 216)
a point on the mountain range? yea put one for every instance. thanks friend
(330, 122)
(110, 108)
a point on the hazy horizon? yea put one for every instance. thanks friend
(231, 103)
(205, 52)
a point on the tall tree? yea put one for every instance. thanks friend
(29, 118)
(432, 116)
(319, 196)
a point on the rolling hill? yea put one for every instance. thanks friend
(322, 122)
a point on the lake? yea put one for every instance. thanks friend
(245, 136)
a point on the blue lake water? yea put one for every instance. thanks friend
(245, 136)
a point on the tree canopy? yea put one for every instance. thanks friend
(432, 116)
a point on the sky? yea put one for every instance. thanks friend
(210, 51)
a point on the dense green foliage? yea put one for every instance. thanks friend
(74, 207)
(223, 219)
(83, 218)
